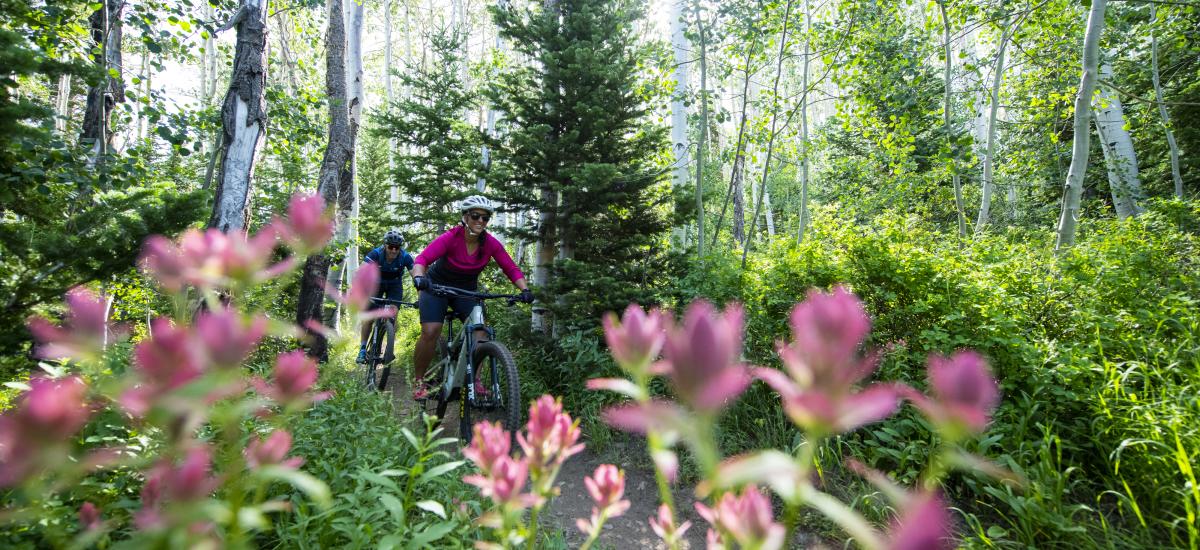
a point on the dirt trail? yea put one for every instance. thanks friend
(631, 530)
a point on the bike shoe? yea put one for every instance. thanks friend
(422, 392)
(481, 391)
(362, 355)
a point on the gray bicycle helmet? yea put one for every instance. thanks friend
(393, 236)
(476, 202)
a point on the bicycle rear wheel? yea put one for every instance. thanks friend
(497, 391)
(388, 341)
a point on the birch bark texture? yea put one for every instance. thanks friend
(243, 118)
(1068, 220)
(989, 152)
(337, 156)
(106, 32)
(1162, 108)
(348, 198)
(679, 74)
(1117, 146)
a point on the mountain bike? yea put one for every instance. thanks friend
(381, 346)
(482, 376)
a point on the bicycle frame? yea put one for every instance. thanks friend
(462, 370)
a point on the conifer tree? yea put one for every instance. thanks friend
(578, 126)
(437, 152)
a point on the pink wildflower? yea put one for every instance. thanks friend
(89, 517)
(271, 450)
(504, 482)
(606, 486)
(227, 337)
(82, 336)
(964, 394)
(363, 287)
(924, 524)
(295, 374)
(308, 226)
(664, 526)
(490, 442)
(165, 263)
(823, 365)
(704, 356)
(747, 518)
(637, 339)
(550, 435)
(42, 419)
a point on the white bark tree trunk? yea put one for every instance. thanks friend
(703, 138)
(1073, 188)
(762, 187)
(62, 103)
(348, 209)
(244, 118)
(679, 130)
(1162, 108)
(989, 152)
(389, 95)
(106, 31)
(946, 116)
(1117, 146)
(804, 125)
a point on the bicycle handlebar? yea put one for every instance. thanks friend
(449, 291)
(390, 302)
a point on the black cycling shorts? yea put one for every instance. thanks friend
(391, 289)
(433, 308)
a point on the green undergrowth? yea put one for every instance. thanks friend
(1097, 351)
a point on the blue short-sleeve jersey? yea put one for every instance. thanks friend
(389, 270)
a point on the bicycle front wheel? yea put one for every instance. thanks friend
(388, 341)
(497, 391)
(374, 345)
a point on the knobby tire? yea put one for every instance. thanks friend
(389, 346)
(496, 371)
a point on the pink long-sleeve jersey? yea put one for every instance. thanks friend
(452, 245)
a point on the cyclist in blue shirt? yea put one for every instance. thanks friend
(392, 261)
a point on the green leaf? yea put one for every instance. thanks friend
(429, 534)
(394, 506)
(996, 532)
(313, 488)
(439, 470)
(434, 507)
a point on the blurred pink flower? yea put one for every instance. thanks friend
(84, 332)
(41, 419)
(504, 482)
(167, 360)
(363, 287)
(271, 450)
(89, 517)
(212, 258)
(663, 525)
(550, 435)
(228, 338)
(295, 374)
(747, 518)
(308, 226)
(705, 356)
(490, 442)
(823, 365)
(165, 263)
(924, 524)
(964, 394)
(606, 486)
(637, 339)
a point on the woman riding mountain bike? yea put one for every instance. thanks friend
(454, 259)
(392, 261)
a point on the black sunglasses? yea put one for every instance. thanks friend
(476, 216)
(394, 246)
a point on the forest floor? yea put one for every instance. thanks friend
(631, 530)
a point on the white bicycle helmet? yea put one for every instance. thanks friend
(476, 202)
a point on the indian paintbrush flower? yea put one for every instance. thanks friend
(746, 518)
(704, 356)
(228, 337)
(606, 487)
(550, 435)
(43, 419)
(271, 450)
(663, 525)
(308, 226)
(83, 334)
(637, 339)
(964, 394)
(490, 442)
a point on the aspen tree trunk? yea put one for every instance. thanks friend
(954, 176)
(804, 125)
(703, 133)
(62, 103)
(490, 128)
(144, 74)
(735, 190)
(1117, 146)
(989, 153)
(768, 213)
(762, 186)
(679, 137)
(348, 197)
(244, 119)
(96, 134)
(1162, 108)
(285, 50)
(1073, 188)
(546, 229)
(336, 160)
(389, 95)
